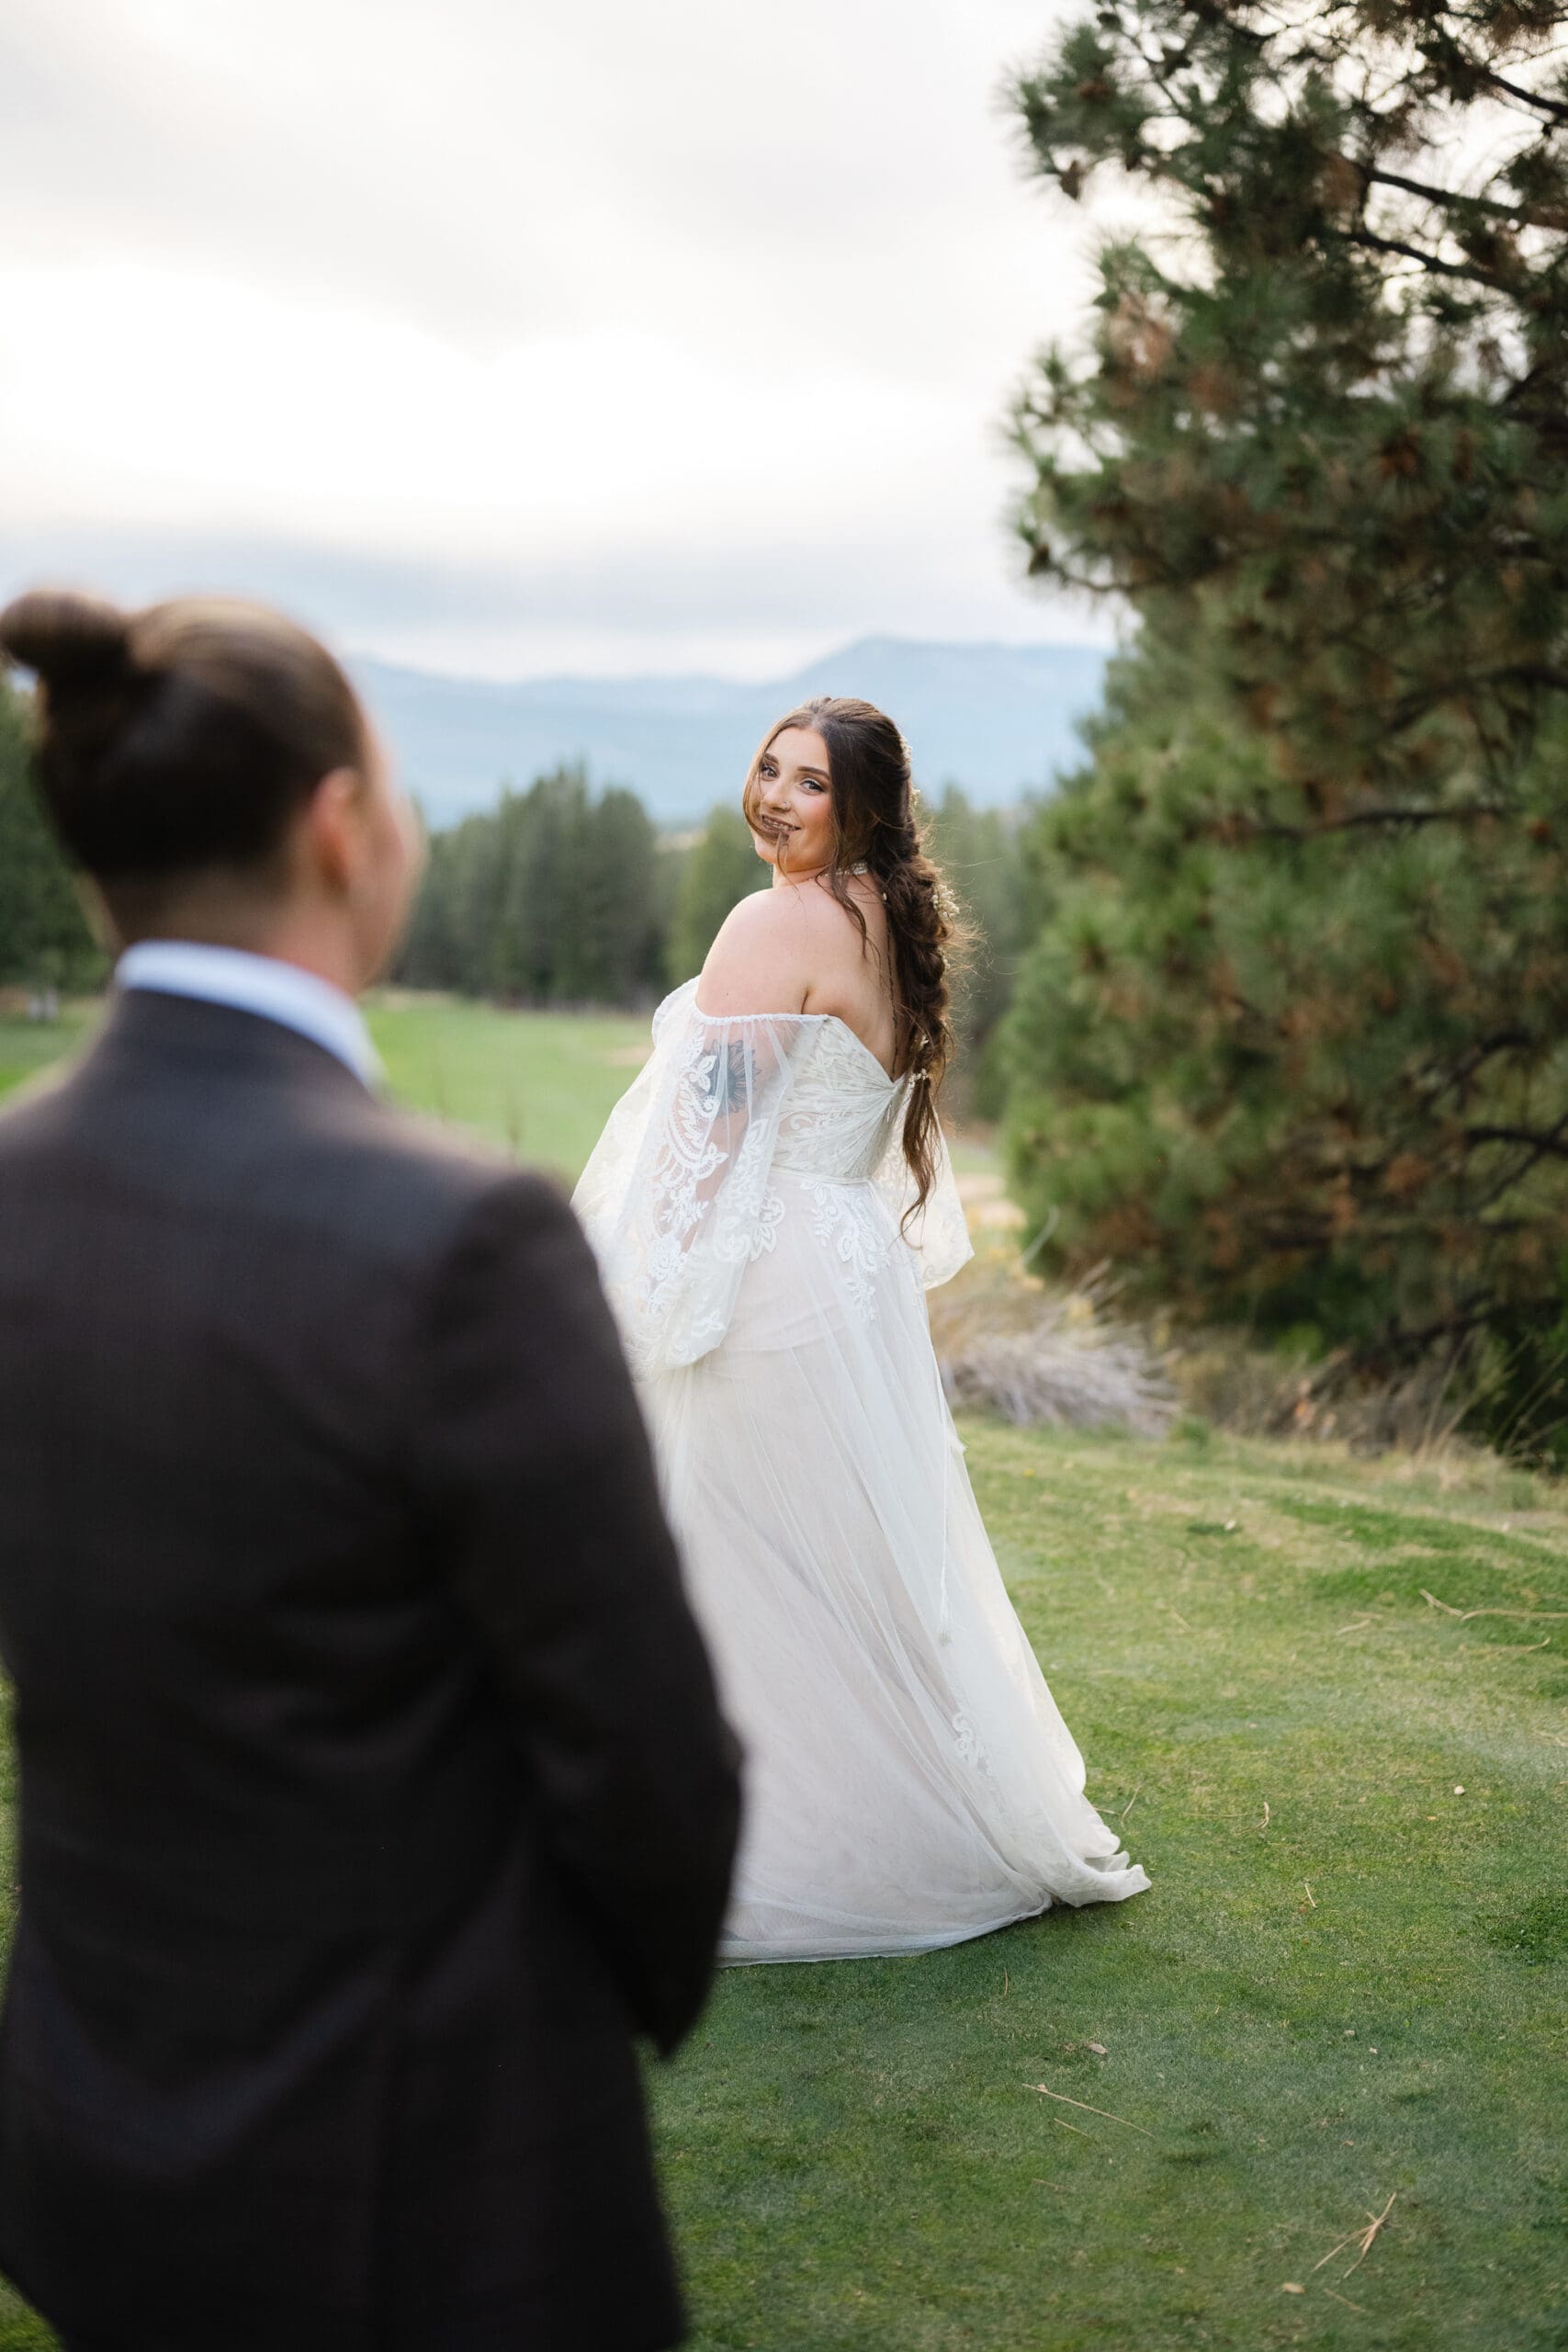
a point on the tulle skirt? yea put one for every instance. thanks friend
(909, 1779)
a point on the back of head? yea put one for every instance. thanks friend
(180, 739)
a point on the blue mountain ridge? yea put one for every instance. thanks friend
(998, 719)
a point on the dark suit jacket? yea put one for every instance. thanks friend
(373, 1788)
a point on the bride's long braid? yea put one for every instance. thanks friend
(877, 831)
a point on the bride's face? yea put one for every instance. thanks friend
(793, 803)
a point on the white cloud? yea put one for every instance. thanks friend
(715, 310)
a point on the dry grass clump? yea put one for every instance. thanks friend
(1236, 1385)
(1052, 1358)
(1010, 1344)
(1047, 1359)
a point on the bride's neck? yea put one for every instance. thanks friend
(782, 881)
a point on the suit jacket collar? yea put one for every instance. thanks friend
(146, 1028)
(251, 983)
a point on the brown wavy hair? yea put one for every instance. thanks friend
(875, 825)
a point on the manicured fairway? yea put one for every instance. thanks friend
(538, 1085)
(1350, 1980)
(1347, 1981)
(29, 1046)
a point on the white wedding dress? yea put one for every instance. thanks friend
(909, 1781)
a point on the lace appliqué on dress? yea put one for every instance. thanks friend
(712, 1084)
(686, 1186)
(968, 1743)
(849, 1222)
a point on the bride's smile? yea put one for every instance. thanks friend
(789, 805)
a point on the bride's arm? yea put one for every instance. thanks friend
(677, 1198)
(756, 968)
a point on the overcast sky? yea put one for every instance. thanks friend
(512, 336)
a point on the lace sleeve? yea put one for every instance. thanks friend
(676, 1199)
(939, 1233)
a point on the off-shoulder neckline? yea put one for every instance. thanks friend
(837, 1019)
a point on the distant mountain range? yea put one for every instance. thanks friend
(996, 718)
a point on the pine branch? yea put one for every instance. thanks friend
(1553, 1145)
(1372, 243)
(1530, 673)
(1271, 830)
(1444, 196)
(1553, 108)
(1500, 1041)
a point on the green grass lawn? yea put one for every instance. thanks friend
(539, 1085)
(1349, 1982)
(29, 1046)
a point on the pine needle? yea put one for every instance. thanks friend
(1045, 2092)
(1363, 2237)
(1464, 1615)
(1369, 2233)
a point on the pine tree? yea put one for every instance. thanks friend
(540, 913)
(1292, 1040)
(614, 956)
(428, 958)
(476, 884)
(977, 851)
(44, 940)
(721, 868)
(550, 897)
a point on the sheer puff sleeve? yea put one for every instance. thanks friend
(677, 1198)
(938, 1233)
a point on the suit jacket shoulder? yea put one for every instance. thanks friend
(226, 1112)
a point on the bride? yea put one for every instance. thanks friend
(766, 1202)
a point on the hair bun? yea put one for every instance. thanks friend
(73, 642)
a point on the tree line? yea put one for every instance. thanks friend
(558, 896)
(561, 896)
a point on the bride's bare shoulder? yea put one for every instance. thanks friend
(760, 961)
(839, 936)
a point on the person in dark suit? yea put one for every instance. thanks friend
(373, 1791)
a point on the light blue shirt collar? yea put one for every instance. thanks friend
(260, 984)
